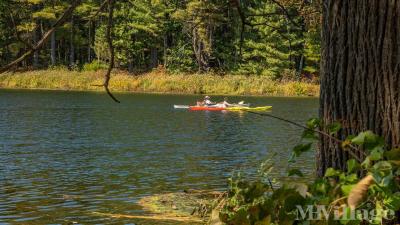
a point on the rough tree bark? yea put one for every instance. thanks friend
(360, 77)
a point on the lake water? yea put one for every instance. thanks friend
(66, 155)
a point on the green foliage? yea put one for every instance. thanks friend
(181, 59)
(271, 45)
(183, 36)
(95, 66)
(312, 50)
(256, 202)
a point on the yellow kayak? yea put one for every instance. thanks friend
(262, 108)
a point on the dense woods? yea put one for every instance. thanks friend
(244, 37)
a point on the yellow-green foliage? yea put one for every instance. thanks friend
(158, 82)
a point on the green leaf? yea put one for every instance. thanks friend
(352, 165)
(376, 154)
(299, 149)
(382, 173)
(330, 172)
(346, 189)
(295, 172)
(313, 123)
(393, 201)
(366, 163)
(351, 178)
(369, 140)
(309, 134)
(383, 166)
(393, 154)
(334, 128)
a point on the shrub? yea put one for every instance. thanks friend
(348, 198)
(95, 66)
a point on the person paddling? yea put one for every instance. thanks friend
(224, 104)
(207, 101)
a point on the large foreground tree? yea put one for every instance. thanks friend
(360, 77)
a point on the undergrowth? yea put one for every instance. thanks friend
(367, 192)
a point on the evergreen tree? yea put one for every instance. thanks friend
(253, 37)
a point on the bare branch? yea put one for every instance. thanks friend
(288, 16)
(110, 48)
(354, 149)
(102, 6)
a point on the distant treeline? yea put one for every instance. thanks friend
(255, 37)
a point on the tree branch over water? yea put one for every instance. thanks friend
(37, 46)
(61, 20)
(109, 33)
(352, 151)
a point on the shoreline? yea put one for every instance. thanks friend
(157, 82)
(151, 93)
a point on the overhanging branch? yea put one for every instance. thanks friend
(110, 48)
(61, 20)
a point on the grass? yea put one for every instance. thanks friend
(157, 82)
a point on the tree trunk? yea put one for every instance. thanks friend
(91, 40)
(130, 65)
(360, 77)
(53, 48)
(72, 47)
(89, 43)
(301, 64)
(153, 57)
(36, 53)
(165, 50)
(201, 54)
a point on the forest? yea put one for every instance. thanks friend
(280, 40)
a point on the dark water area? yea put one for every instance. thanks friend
(64, 156)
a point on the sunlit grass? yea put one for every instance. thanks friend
(158, 82)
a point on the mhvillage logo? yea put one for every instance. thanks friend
(323, 212)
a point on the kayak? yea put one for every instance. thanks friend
(211, 106)
(181, 106)
(261, 108)
(205, 108)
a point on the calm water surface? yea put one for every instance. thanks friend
(66, 155)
